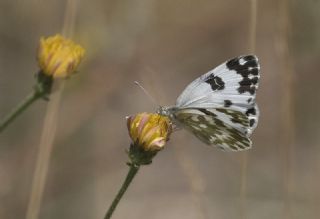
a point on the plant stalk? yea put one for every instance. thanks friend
(36, 94)
(132, 172)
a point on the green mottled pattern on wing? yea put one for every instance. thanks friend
(211, 130)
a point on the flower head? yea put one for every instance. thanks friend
(59, 57)
(149, 131)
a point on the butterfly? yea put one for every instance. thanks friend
(219, 107)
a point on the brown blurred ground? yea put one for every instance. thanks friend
(164, 45)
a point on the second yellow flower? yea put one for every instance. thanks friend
(59, 57)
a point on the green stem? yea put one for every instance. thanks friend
(20, 108)
(132, 172)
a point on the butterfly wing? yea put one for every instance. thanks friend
(231, 86)
(220, 127)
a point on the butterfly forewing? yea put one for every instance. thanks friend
(231, 85)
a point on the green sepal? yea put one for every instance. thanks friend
(44, 85)
(138, 156)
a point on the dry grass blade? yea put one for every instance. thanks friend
(49, 130)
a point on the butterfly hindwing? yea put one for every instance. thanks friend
(222, 128)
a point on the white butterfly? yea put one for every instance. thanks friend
(219, 107)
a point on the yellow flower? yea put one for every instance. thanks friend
(59, 57)
(149, 131)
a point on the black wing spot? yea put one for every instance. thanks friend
(248, 81)
(227, 103)
(249, 100)
(252, 121)
(250, 67)
(251, 111)
(250, 89)
(254, 71)
(215, 82)
(251, 62)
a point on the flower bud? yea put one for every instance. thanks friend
(59, 57)
(149, 131)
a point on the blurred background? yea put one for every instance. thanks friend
(164, 45)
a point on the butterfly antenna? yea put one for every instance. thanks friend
(146, 92)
